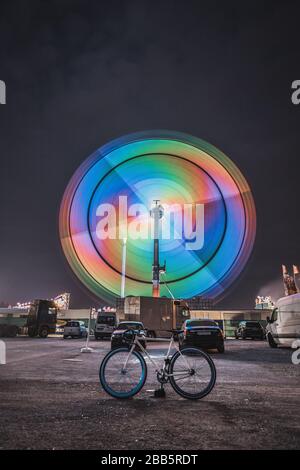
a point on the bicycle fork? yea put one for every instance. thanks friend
(123, 371)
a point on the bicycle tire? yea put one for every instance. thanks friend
(115, 393)
(212, 368)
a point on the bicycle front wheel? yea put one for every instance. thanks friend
(192, 373)
(123, 373)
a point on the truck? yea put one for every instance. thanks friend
(283, 327)
(38, 320)
(105, 324)
(157, 314)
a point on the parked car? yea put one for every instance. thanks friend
(75, 329)
(117, 338)
(202, 333)
(283, 327)
(250, 329)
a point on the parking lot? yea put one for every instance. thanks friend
(50, 398)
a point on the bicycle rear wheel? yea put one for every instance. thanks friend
(192, 373)
(122, 381)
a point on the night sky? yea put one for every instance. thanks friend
(79, 74)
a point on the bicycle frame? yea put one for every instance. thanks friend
(157, 369)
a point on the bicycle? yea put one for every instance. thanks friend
(190, 371)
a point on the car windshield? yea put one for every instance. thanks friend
(251, 324)
(130, 326)
(106, 319)
(201, 323)
(72, 323)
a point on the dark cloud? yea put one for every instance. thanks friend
(81, 73)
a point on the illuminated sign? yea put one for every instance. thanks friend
(207, 228)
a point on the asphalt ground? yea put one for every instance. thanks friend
(51, 398)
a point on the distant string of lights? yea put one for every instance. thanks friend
(62, 302)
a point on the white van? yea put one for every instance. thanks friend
(105, 324)
(283, 327)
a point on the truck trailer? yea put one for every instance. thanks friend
(157, 314)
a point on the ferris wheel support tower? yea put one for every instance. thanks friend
(157, 213)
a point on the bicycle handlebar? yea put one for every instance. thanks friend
(131, 334)
(174, 331)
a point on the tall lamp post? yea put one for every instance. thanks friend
(123, 268)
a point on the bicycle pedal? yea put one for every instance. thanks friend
(159, 393)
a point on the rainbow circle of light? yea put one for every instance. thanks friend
(176, 169)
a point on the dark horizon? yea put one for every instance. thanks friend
(78, 76)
